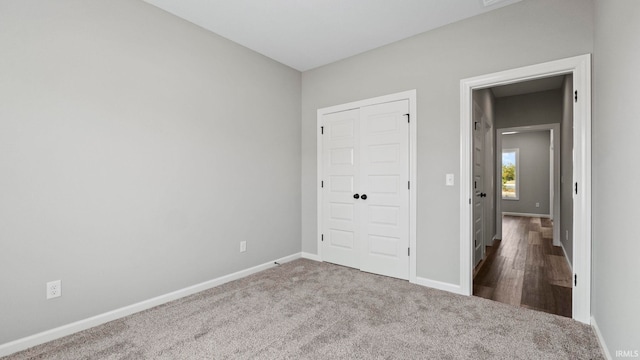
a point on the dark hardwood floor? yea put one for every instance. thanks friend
(525, 269)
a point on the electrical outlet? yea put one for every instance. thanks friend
(54, 289)
(537, 204)
(243, 246)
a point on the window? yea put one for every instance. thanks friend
(510, 171)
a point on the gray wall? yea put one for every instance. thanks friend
(126, 139)
(534, 171)
(616, 130)
(525, 33)
(137, 151)
(544, 107)
(566, 168)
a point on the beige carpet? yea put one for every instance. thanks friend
(310, 310)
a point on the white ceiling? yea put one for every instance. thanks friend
(305, 34)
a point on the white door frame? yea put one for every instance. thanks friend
(554, 182)
(413, 164)
(580, 67)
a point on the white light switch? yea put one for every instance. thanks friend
(449, 180)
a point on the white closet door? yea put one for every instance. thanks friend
(340, 228)
(384, 181)
(365, 206)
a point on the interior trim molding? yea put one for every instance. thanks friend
(603, 345)
(309, 256)
(64, 330)
(580, 67)
(440, 285)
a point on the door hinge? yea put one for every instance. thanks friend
(475, 242)
(322, 184)
(576, 188)
(409, 185)
(408, 251)
(469, 201)
(475, 125)
(321, 237)
(575, 279)
(321, 130)
(408, 117)
(475, 184)
(575, 94)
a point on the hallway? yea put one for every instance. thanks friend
(525, 269)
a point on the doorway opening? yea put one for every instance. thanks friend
(525, 263)
(578, 239)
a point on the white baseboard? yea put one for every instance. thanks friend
(314, 257)
(56, 333)
(456, 289)
(509, 213)
(603, 345)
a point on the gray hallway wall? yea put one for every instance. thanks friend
(544, 107)
(534, 176)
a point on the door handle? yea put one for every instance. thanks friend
(363, 197)
(482, 194)
(356, 196)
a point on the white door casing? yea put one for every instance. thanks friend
(580, 67)
(552, 176)
(384, 160)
